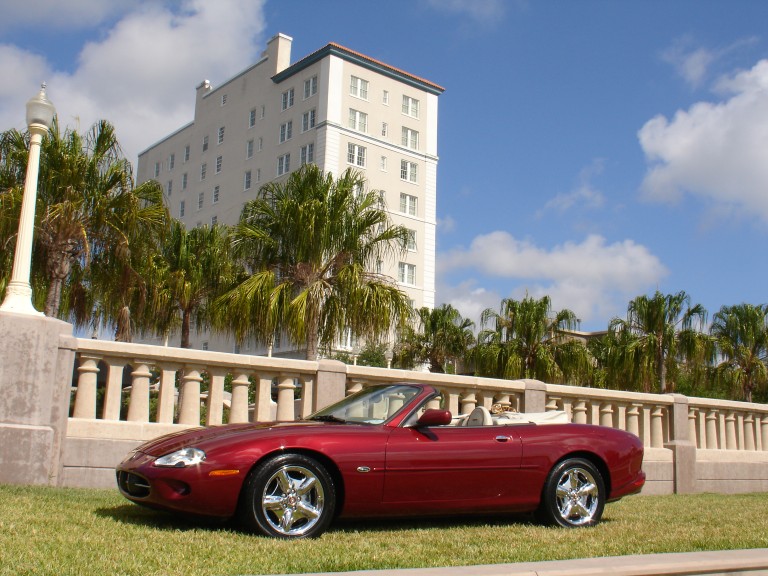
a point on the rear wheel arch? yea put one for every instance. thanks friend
(593, 459)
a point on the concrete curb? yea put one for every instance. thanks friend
(752, 562)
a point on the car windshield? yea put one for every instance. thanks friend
(372, 405)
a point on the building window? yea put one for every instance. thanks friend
(157, 169)
(263, 111)
(205, 345)
(308, 154)
(258, 174)
(406, 273)
(186, 153)
(384, 129)
(223, 99)
(169, 187)
(200, 200)
(249, 149)
(409, 171)
(221, 135)
(383, 164)
(205, 143)
(356, 154)
(184, 179)
(283, 164)
(410, 138)
(411, 243)
(171, 161)
(214, 220)
(219, 161)
(358, 87)
(385, 97)
(410, 106)
(247, 180)
(181, 209)
(286, 100)
(408, 204)
(310, 87)
(358, 120)
(203, 170)
(216, 191)
(308, 120)
(261, 143)
(252, 118)
(286, 131)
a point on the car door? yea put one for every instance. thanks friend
(463, 467)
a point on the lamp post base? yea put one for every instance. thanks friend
(18, 299)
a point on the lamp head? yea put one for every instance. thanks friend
(40, 110)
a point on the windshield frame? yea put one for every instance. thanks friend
(374, 405)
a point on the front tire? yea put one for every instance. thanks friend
(288, 496)
(574, 494)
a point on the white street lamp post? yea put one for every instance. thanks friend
(18, 294)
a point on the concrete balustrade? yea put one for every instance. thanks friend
(124, 394)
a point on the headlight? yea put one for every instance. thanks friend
(181, 458)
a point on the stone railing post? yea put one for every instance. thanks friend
(468, 401)
(330, 384)
(85, 399)
(113, 395)
(749, 432)
(606, 415)
(681, 444)
(711, 429)
(535, 398)
(730, 431)
(138, 408)
(263, 408)
(633, 419)
(764, 432)
(580, 411)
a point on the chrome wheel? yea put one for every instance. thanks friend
(293, 500)
(288, 496)
(574, 494)
(577, 496)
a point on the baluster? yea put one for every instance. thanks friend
(215, 404)
(307, 394)
(606, 415)
(138, 408)
(633, 419)
(166, 402)
(354, 386)
(730, 432)
(453, 402)
(113, 395)
(285, 406)
(189, 396)
(553, 404)
(712, 430)
(580, 412)
(85, 398)
(749, 432)
(468, 401)
(657, 427)
(764, 431)
(238, 408)
(693, 435)
(262, 411)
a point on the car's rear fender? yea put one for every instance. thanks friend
(593, 458)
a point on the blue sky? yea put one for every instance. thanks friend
(591, 150)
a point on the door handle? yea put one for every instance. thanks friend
(501, 438)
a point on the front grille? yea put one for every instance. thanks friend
(132, 484)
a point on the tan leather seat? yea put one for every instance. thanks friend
(480, 416)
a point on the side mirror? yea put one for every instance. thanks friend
(433, 417)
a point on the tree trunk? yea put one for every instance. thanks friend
(185, 329)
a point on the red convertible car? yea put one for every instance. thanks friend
(384, 452)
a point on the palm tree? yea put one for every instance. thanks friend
(310, 244)
(658, 332)
(442, 336)
(527, 340)
(741, 337)
(87, 205)
(193, 268)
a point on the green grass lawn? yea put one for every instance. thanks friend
(73, 531)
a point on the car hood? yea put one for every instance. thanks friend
(202, 437)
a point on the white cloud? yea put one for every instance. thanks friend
(592, 278)
(141, 74)
(691, 63)
(715, 151)
(57, 14)
(585, 195)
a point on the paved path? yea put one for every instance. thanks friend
(752, 562)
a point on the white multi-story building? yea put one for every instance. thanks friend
(337, 108)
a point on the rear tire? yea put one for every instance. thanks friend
(574, 494)
(288, 496)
